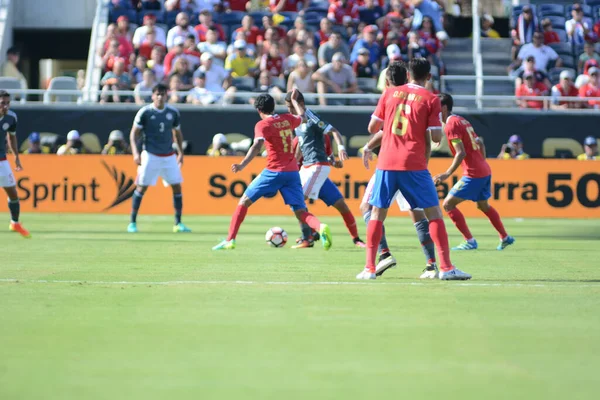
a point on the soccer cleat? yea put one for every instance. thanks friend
(316, 237)
(304, 244)
(225, 245)
(132, 227)
(430, 272)
(359, 243)
(325, 235)
(507, 241)
(366, 275)
(17, 227)
(181, 228)
(386, 261)
(454, 274)
(467, 245)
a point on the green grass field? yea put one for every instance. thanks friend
(90, 312)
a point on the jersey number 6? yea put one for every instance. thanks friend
(400, 123)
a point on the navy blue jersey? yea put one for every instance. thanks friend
(157, 126)
(8, 123)
(311, 139)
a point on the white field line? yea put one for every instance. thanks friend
(275, 283)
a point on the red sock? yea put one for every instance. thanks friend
(374, 233)
(310, 220)
(236, 220)
(459, 220)
(350, 224)
(437, 230)
(494, 218)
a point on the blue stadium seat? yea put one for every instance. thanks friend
(234, 17)
(562, 48)
(568, 62)
(517, 9)
(321, 10)
(117, 12)
(289, 15)
(596, 12)
(562, 34)
(160, 16)
(545, 10)
(229, 31)
(287, 24)
(258, 16)
(171, 16)
(587, 11)
(558, 22)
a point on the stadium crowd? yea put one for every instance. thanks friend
(555, 53)
(214, 49)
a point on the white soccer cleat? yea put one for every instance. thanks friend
(430, 272)
(454, 275)
(366, 275)
(385, 264)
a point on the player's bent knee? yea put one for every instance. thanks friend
(379, 214)
(141, 189)
(176, 188)
(433, 213)
(483, 205)
(341, 206)
(245, 201)
(364, 207)
(11, 193)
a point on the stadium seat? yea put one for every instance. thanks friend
(160, 16)
(596, 12)
(258, 16)
(232, 17)
(314, 16)
(171, 16)
(10, 84)
(367, 85)
(316, 9)
(91, 142)
(562, 48)
(289, 15)
(518, 8)
(230, 30)
(587, 11)
(545, 10)
(554, 74)
(287, 24)
(558, 22)
(279, 82)
(116, 13)
(61, 83)
(568, 61)
(245, 83)
(562, 34)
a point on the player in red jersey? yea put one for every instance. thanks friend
(469, 152)
(281, 174)
(410, 116)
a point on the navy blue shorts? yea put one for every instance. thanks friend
(416, 186)
(474, 189)
(268, 183)
(330, 193)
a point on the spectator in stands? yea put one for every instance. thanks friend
(191, 53)
(531, 88)
(577, 27)
(272, 62)
(343, 12)
(363, 67)
(199, 95)
(267, 23)
(428, 8)
(335, 77)
(266, 85)
(300, 54)
(181, 30)
(73, 146)
(141, 65)
(301, 78)
(175, 86)
(182, 70)
(151, 5)
(123, 28)
(529, 66)
(239, 64)
(115, 80)
(299, 25)
(549, 35)
(116, 144)
(565, 88)
(487, 31)
(324, 32)
(368, 42)
(214, 46)
(217, 79)
(334, 45)
(525, 28)
(125, 46)
(143, 90)
(542, 54)
(584, 78)
(181, 5)
(219, 147)
(148, 43)
(33, 144)
(591, 89)
(156, 63)
(175, 53)
(249, 31)
(596, 30)
(370, 12)
(393, 54)
(149, 25)
(513, 150)
(277, 6)
(206, 23)
(590, 148)
(112, 54)
(588, 54)
(308, 38)
(415, 50)
(271, 36)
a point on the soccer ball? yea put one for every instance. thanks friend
(276, 237)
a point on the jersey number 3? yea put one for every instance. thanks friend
(161, 127)
(400, 120)
(286, 138)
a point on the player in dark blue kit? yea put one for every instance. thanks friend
(314, 154)
(161, 126)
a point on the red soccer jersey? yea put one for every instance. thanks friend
(459, 129)
(202, 29)
(277, 132)
(407, 112)
(273, 65)
(339, 14)
(250, 36)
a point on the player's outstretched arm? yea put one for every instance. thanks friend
(135, 131)
(14, 147)
(460, 155)
(252, 152)
(339, 140)
(300, 108)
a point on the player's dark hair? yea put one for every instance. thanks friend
(419, 69)
(396, 73)
(446, 100)
(13, 51)
(4, 94)
(288, 97)
(265, 104)
(159, 87)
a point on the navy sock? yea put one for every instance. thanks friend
(306, 231)
(15, 209)
(135, 205)
(178, 205)
(427, 245)
(383, 245)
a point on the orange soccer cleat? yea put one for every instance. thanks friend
(304, 244)
(17, 227)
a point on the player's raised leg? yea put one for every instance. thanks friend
(349, 221)
(505, 239)
(459, 221)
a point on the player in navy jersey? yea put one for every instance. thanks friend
(281, 174)
(8, 131)
(311, 151)
(160, 126)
